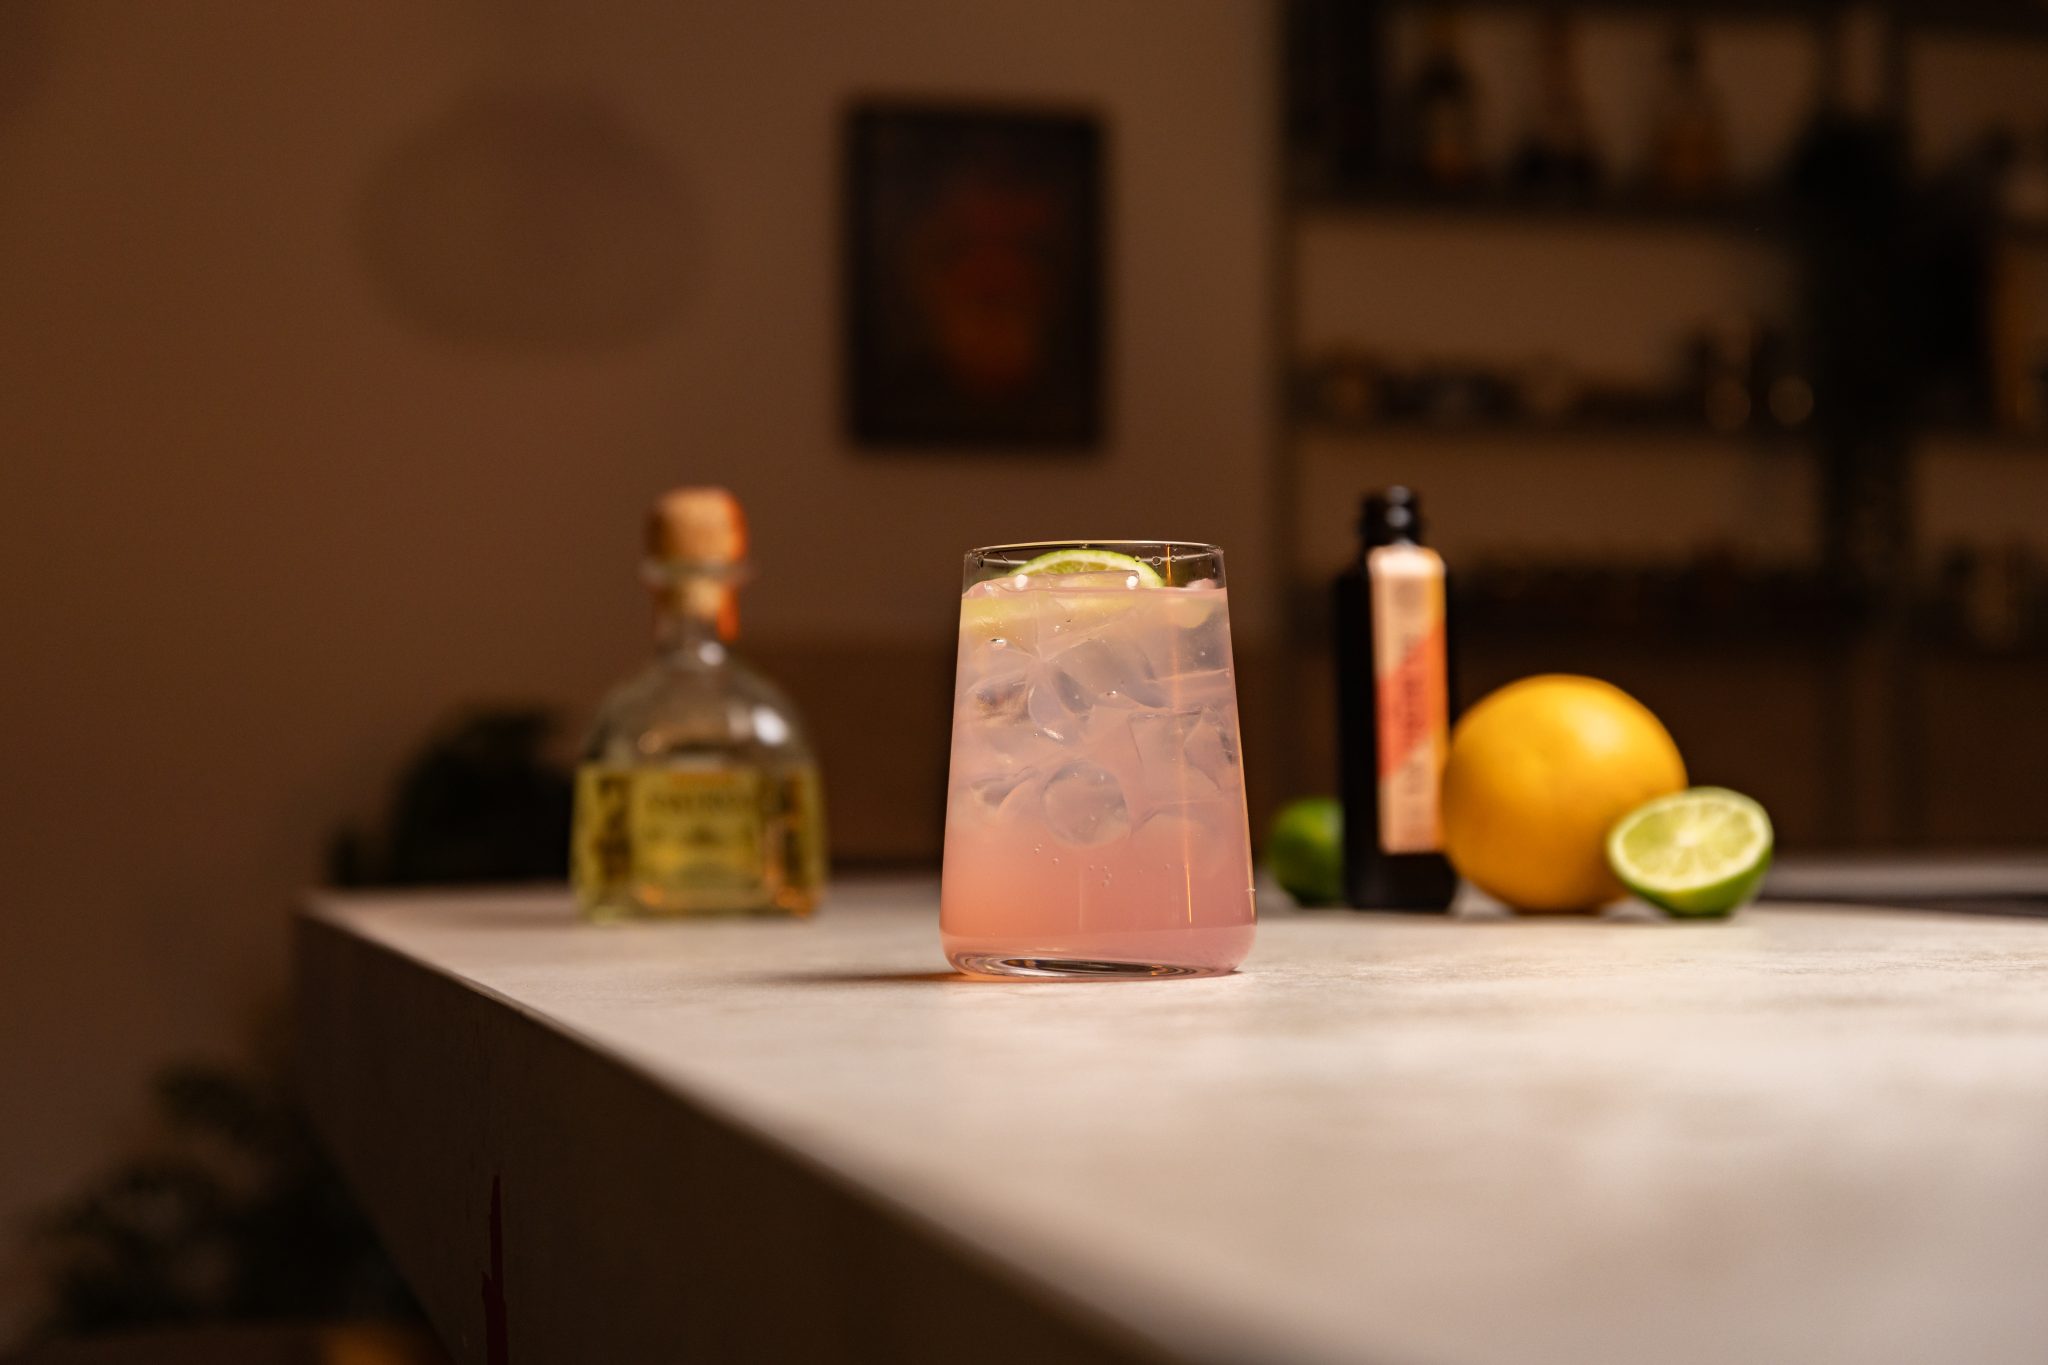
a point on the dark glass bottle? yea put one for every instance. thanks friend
(1441, 114)
(1851, 201)
(1689, 150)
(1393, 711)
(1336, 113)
(1558, 158)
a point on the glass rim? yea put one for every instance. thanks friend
(1039, 547)
(1177, 562)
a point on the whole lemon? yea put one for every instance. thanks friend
(1538, 773)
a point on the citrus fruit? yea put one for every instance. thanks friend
(1537, 775)
(1305, 850)
(1075, 561)
(1697, 853)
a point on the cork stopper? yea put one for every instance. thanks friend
(697, 526)
(696, 553)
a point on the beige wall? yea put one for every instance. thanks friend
(268, 512)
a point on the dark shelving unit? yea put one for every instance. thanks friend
(1878, 659)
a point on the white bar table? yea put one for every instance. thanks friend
(1810, 1135)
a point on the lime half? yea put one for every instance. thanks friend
(1092, 561)
(1700, 853)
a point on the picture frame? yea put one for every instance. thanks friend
(974, 289)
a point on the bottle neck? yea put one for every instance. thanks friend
(1393, 519)
(1860, 75)
(1440, 41)
(696, 614)
(682, 637)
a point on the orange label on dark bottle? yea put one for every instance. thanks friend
(1411, 687)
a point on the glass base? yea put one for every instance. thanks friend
(1076, 968)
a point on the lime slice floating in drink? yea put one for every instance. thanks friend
(1696, 853)
(1000, 609)
(1079, 561)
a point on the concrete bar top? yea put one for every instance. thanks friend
(1807, 1135)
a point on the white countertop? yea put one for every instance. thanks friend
(1814, 1135)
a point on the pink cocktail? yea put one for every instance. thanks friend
(1095, 818)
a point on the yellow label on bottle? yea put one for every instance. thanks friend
(801, 831)
(1412, 687)
(601, 844)
(673, 841)
(698, 841)
(697, 831)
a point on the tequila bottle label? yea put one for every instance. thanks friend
(697, 833)
(697, 841)
(797, 825)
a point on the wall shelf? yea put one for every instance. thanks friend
(1977, 18)
(1747, 216)
(1935, 18)
(1982, 438)
(1571, 429)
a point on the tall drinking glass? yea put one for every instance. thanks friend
(1095, 814)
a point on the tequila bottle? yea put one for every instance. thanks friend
(698, 794)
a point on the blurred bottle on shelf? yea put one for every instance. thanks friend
(2029, 414)
(2021, 169)
(2003, 183)
(1547, 390)
(1689, 147)
(1851, 202)
(1853, 147)
(1343, 387)
(1457, 393)
(1739, 373)
(1781, 389)
(1335, 106)
(1440, 113)
(1989, 598)
(1558, 159)
(1723, 372)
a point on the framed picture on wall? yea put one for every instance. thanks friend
(974, 277)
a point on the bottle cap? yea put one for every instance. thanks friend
(1391, 514)
(697, 526)
(696, 553)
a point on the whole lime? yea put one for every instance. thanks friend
(1305, 850)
